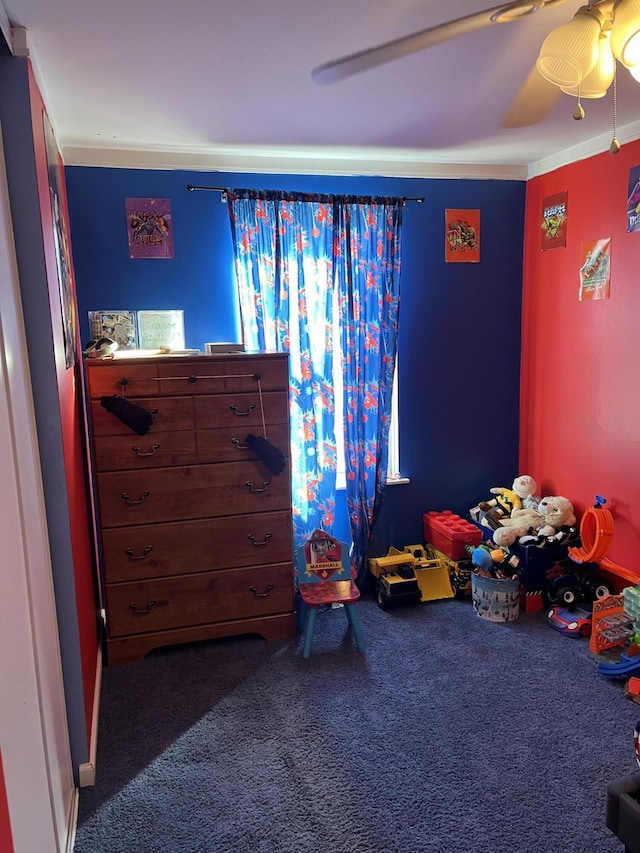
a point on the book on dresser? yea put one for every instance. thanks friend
(194, 529)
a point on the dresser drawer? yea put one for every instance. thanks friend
(227, 445)
(119, 377)
(174, 494)
(160, 604)
(244, 410)
(174, 548)
(169, 413)
(122, 452)
(202, 376)
(272, 373)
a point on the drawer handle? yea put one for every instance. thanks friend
(133, 557)
(145, 612)
(266, 594)
(125, 497)
(140, 452)
(239, 446)
(252, 539)
(238, 414)
(252, 488)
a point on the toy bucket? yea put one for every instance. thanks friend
(495, 600)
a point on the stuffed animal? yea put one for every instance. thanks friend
(558, 523)
(508, 500)
(521, 522)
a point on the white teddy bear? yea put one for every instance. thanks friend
(552, 523)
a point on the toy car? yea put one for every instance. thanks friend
(574, 622)
(570, 588)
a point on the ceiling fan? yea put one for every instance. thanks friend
(577, 58)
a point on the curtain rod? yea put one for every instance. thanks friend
(223, 190)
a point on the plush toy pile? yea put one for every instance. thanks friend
(518, 514)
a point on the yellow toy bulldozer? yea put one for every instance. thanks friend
(409, 577)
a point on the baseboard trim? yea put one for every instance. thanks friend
(73, 821)
(87, 772)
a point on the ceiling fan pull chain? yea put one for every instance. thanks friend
(578, 113)
(615, 145)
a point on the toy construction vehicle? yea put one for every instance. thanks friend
(409, 577)
(459, 572)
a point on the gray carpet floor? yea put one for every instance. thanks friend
(451, 734)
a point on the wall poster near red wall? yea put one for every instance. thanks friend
(595, 269)
(633, 200)
(149, 228)
(63, 250)
(553, 227)
(462, 236)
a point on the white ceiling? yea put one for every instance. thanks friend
(226, 84)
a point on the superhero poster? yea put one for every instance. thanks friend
(595, 270)
(149, 228)
(553, 227)
(462, 236)
(633, 200)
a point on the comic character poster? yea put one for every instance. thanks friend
(462, 236)
(595, 269)
(62, 245)
(149, 228)
(323, 556)
(553, 228)
(633, 200)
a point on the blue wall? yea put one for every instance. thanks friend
(459, 346)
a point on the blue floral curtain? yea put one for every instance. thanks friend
(292, 251)
(369, 297)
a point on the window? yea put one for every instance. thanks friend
(393, 465)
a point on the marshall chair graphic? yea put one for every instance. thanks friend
(323, 571)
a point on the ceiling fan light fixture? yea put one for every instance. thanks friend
(597, 82)
(625, 32)
(570, 52)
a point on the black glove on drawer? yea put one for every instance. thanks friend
(135, 417)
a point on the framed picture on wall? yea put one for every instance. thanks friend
(62, 245)
(161, 329)
(462, 236)
(553, 227)
(633, 200)
(595, 269)
(149, 227)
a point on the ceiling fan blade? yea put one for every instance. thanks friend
(339, 69)
(533, 103)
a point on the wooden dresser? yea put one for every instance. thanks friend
(195, 534)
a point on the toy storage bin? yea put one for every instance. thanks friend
(495, 600)
(623, 811)
(449, 533)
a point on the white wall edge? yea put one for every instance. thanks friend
(87, 772)
(397, 164)
(5, 26)
(590, 148)
(73, 822)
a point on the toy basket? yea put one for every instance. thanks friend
(495, 600)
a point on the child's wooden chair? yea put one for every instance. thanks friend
(323, 574)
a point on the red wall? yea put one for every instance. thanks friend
(6, 842)
(72, 422)
(580, 401)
